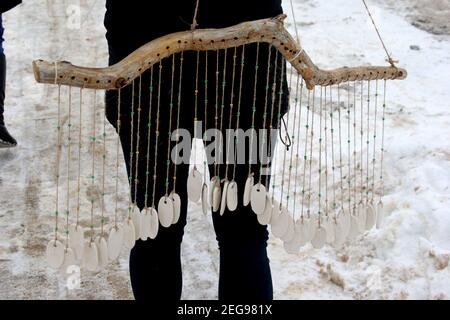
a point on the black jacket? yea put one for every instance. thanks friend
(6, 5)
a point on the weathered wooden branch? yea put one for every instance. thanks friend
(271, 31)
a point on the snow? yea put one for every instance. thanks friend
(406, 259)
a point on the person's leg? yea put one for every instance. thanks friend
(6, 140)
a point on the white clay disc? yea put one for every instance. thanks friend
(205, 202)
(264, 219)
(90, 256)
(129, 234)
(194, 186)
(232, 196)
(55, 254)
(165, 212)
(354, 227)
(280, 225)
(370, 216)
(362, 214)
(293, 246)
(217, 197)
(346, 222)
(290, 231)
(154, 227)
(330, 225)
(223, 202)
(212, 185)
(176, 207)
(102, 250)
(146, 224)
(339, 233)
(248, 190)
(115, 242)
(76, 240)
(311, 229)
(380, 214)
(69, 260)
(258, 198)
(320, 238)
(136, 218)
(299, 232)
(276, 211)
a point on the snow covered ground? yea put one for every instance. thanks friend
(407, 259)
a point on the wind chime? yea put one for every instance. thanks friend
(327, 177)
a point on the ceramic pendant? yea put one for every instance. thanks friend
(90, 256)
(146, 224)
(55, 254)
(362, 218)
(165, 212)
(330, 225)
(69, 261)
(136, 218)
(276, 212)
(312, 227)
(339, 234)
(320, 238)
(154, 226)
(217, 197)
(290, 231)
(129, 234)
(102, 250)
(380, 214)
(299, 232)
(76, 240)
(370, 216)
(346, 222)
(194, 185)
(212, 185)
(279, 226)
(223, 202)
(176, 207)
(258, 198)
(354, 227)
(205, 200)
(232, 196)
(264, 219)
(248, 190)
(115, 242)
(293, 246)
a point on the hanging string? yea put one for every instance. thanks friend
(180, 81)
(271, 125)
(326, 151)
(230, 119)
(149, 133)
(80, 137)
(58, 156)
(118, 124)
(320, 156)
(295, 22)
(93, 141)
(216, 117)
(194, 21)
(131, 205)
(102, 221)
(155, 167)
(389, 58)
(374, 140)
(169, 133)
(382, 141)
(349, 147)
(305, 158)
(341, 173)
(222, 106)
(265, 110)
(368, 142)
(69, 158)
(205, 162)
(311, 153)
(333, 159)
(297, 137)
(138, 142)
(255, 91)
(196, 110)
(361, 132)
(238, 113)
(279, 117)
(354, 148)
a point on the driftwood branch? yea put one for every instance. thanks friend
(271, 31)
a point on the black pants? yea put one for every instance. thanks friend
(155, 265)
